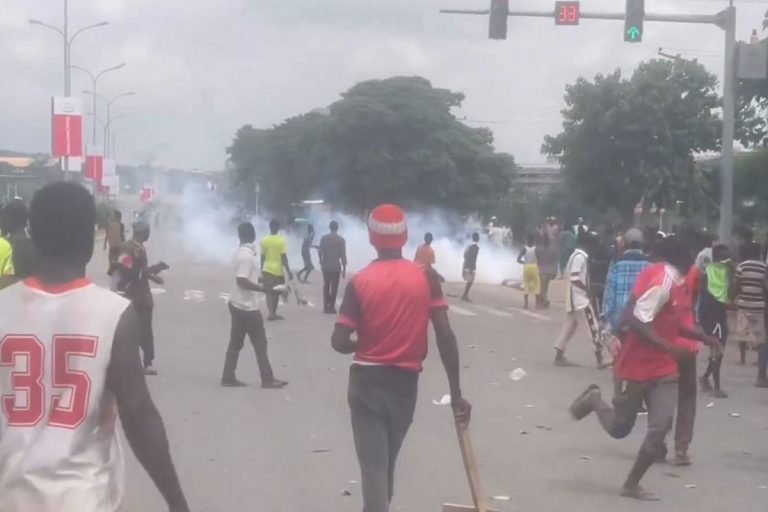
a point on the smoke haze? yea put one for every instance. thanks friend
(207, 235)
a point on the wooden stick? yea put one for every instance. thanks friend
(470, 466)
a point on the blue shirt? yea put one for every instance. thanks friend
(618, 287)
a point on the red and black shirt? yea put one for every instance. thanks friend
(389, 305)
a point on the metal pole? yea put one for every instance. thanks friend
(66, 48)
(67, 91)
(726, 201)
(94, 112)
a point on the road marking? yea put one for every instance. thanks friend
(537, 316)
(194, 295)
(494, 312)
(462, 311)
(224, 296)
(157, 291)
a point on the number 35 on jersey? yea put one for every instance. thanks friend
(65, 404)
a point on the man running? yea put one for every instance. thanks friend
(647, 366)
(133, 282)
(274, 265)
(389, 304)
(306, 255)
(333, 262)
(69, 364)
(469, 267)
(246, 318)
(114, 239)
(577, 302)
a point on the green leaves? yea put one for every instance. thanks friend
(392, 140)
(630, 140)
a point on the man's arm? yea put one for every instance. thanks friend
(449, 355)
(262, 261)
(349, 316)
(698, 334)
(141, 421)
(341, 339)
(520, 256)
(639, 315)
(247, 284)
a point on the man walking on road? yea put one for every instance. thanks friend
(274, 265)
(390, 304)
(58, 456)
(333, 263)
(114, 239)
(749, 291)
(657, 341)
(306, 255)
(622, 275)
(425, 254)
(246, 318)
(469, 267)
(577, 302)
(134, 277)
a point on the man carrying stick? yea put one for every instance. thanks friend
(390, 304)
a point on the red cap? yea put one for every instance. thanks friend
(387, 228)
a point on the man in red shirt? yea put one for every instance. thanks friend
(389, 304)
(658, 338)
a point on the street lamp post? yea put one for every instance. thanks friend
(109, 104)
(94, 82)
(64, 33)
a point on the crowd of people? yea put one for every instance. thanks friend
(649, 302)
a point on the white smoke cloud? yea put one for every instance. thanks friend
(207, 234)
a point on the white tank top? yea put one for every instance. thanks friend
(59, 451)
(530, 254)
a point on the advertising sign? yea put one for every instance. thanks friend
(67, 126)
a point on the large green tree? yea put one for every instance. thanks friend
(391, 140)
(630, 141)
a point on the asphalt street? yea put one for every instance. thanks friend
(291, 450)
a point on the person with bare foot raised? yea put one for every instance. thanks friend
(656, 339)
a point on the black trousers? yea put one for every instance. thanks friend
(252, 324)
(330, 289)
(382, 400)
(147, 340)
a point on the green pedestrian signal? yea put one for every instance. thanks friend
(633, 21)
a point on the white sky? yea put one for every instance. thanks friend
(203, 68)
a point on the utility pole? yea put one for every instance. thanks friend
(725, 19)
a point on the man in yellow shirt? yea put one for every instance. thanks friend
(274, 258)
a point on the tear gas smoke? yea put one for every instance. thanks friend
(207, 234)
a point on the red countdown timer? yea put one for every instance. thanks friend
(566, 13)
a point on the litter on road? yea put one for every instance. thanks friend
(517, 374)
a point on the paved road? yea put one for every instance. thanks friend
(291, 450)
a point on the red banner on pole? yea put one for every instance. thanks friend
(67, 126)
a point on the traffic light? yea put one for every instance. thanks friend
(498, 22)
(633, 21)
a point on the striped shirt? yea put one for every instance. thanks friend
(750, 279)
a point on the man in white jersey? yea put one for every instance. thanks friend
(69, 364)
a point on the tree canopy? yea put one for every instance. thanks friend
(393, 140)
(627, 141)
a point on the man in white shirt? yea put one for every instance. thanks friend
(577, 302)
(244, 304)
